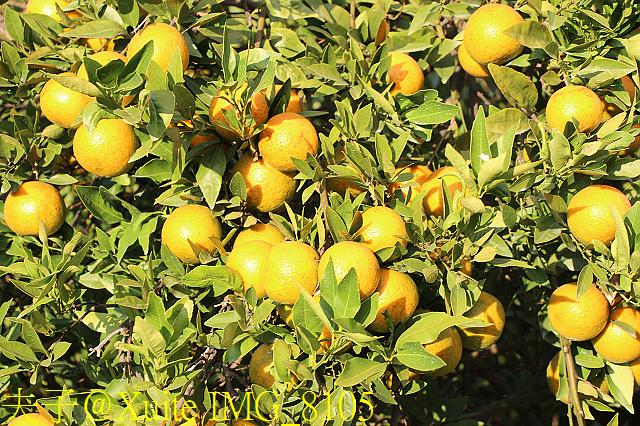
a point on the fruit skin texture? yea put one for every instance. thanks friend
(31, 419)
(259, 232)
(31, 203)
(616, 345)
(188, 231)
(433, 201)
(580, 319)
(267, 188)
(288, 263)
(61, 105)
(382, 227)
(421, 173)
(447, 347)
(106, 152)
(287, 135)
(588, 214)
(484, 39)
(577, 102)
(250, 261)
(488, 309)
(470, 66)
(405, 73)
(398, 295)
(349, 254)
(259, 112)
(165, 40)
(260, 366)
(48, 7)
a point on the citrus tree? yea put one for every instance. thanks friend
(307, 212)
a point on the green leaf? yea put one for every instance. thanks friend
(151, 338)
(161, 105)
(97, 29)
(432, 112)
(480, 151)
(358, 370)
(13, 349)
(559, 150)
(547, 229)
(415, 356)
(515, 86)
(530, 33)
(209, 175)
(620, 380)
(504, 119)
(238, 186)
(93, 200)
(427, 327)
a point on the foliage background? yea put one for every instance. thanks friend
(102, 305)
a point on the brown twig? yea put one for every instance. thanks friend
(106, 340)
(261, 20)
(572, 378)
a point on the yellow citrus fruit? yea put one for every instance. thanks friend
(553, 380)
(405, 73)
(577, 102)
(166, 39)
(610, 109)
(489, 309)
(589, 215)
(48, 7)
(635, 369)
(260, 366)
(289, 264)
(106, 151)
(34, 202)
(186, 128)
(61, 105)
(259, 111)
(103, 58)
(470, 66)
(484, 37)
(398, 294)
(31, 419)
(578, 319)
(381, 228)
(243, 423)
(433, 201)
(98, 44)
(190, 230)
(250, 261)
(259, 232)
(447, 347)
(349, 254)
(420, 175)
(614, 343)
(267, 188)
(287, 135)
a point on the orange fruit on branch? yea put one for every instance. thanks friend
(289, 264)
(189, 230)
(381, 228)
(250, 261)
(34, 202)
(287, 135)
(405, 73)
(577, 102)
(447, 347)
(166, 39)
(489, 309)
(349, 254)
(259, 232)
(615, 343)
(267, 188)
(589, 215)
(470, 66)
(484, 37)
(398, 295)
(433, 201)
(259, 110)
(106, 151)
(581, 318)
(61, 105)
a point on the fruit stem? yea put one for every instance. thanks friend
(352, 12)
(572, 379)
